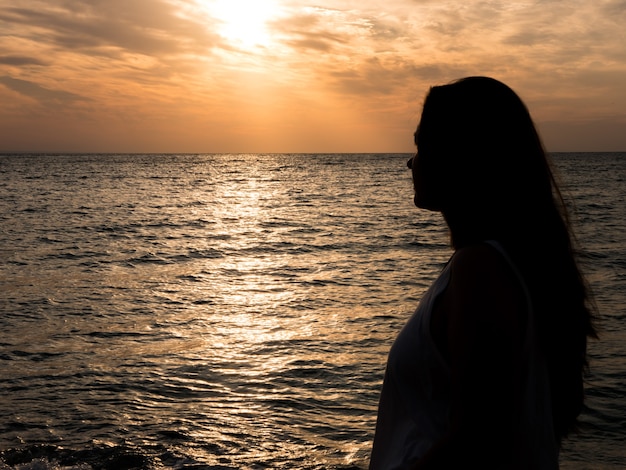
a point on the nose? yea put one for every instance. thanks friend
(409, 163)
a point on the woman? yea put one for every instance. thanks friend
(488, 372)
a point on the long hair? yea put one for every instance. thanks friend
(486, 170)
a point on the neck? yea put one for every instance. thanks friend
(469, 227)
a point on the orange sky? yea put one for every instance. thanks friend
(295, 75)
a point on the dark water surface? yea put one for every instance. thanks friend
(235, 311)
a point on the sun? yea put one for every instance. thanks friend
(243, 22)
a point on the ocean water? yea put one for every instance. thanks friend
(235, 311)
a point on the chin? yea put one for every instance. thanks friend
(424, 203)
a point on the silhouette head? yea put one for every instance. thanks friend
(478, 151)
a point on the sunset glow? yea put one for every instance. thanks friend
(296, 76)
(243, 22)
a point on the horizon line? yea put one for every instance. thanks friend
(56, 152)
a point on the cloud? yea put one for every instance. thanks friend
(530, 37)
(314, 28)
(387, 29)
(373, 77)
(37, 92)
(615, 9)
(366, 54)
(20, 60)
(151, 27)
(122, 54)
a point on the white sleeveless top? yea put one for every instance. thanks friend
(415, 398)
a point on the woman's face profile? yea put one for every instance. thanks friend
(425, 167)
(425, 186)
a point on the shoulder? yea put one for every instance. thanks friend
(484, 288)
(481, 258)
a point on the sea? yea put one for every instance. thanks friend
(235, 311)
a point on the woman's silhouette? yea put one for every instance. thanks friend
(488, 372)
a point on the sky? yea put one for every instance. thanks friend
(215, 76)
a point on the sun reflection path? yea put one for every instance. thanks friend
(267, 321)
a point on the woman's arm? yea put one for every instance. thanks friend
(479, 325)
